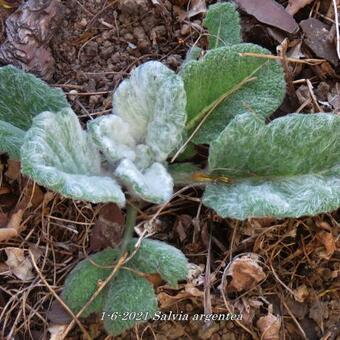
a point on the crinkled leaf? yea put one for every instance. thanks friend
(152, 104)
(129, 296)
(153, 184)
(223, 24)
(83, 281)
(23, 96)
(224, 80)
(288, 168)
(155, 256)
(58, 154)
(11, 139)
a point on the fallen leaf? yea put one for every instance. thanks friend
(246, 273)
(271, 13)
(108, 229)
(317, 39)
(15, 220)
(13, 170)
(328, 242)
(18, 264)
(7, 233)
(196, 7)
(57, 314)
(57, 331)
(269, 327)
(295, 5)
(301, 293)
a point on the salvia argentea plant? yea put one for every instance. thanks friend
(287, 168)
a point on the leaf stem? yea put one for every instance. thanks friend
(131, 216)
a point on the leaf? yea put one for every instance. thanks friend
(83, 281)
(128, 296)
(269, 327)
(11, 139)
(151, 110)
(223, 84)
(155, 256)
(59, 155)
(153, 185)
(182, 173)
(23, 96)
(223, 24)
(288, 168)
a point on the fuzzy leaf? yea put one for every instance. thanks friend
(152, 105)
(226, 80)
(154, 184)
(23, 96)
(288, 168)
(11, 139)
(155, 256)
(58, 154)
(83, 281)
(223, 24)
(128, 296)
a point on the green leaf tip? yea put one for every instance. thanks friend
(225, 84)
(59, 155)
(223, 24)
(288, 168)
(23, 96)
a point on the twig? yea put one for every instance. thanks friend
(337, 28)
(75, 318)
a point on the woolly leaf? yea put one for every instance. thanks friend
(129, 296)
(151, 107)
(83, 281)
(155, 256)
(223, 24)
(227, 85)
(58, 154)
(288, 168)
(23, 96)
(153, 185)
(11, 139)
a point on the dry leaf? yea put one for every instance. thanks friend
(57, 331)
(13, 170)
(271, 13)
(7, 233)
(108, 229)
(15, 220)
(295, 5)
(328, 242)
(301, 293)
(18, 264)
(269, 327)
(196, 7)
(246, 273)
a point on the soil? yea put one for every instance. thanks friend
(97, 44)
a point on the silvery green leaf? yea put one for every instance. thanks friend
(223, 24)
(113, 137)
(153, 184)
(152, 102)
(227, 85)
(11, 139)
(23, 96)
(59, 155)
(129, 297)
(155, 256)
(288, 168)
(82, 282)
(182, 172)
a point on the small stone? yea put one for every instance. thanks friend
(83, 22)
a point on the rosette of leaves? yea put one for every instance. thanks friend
(128, 147)
(129, 291)
(22, 97)
(146, 126)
